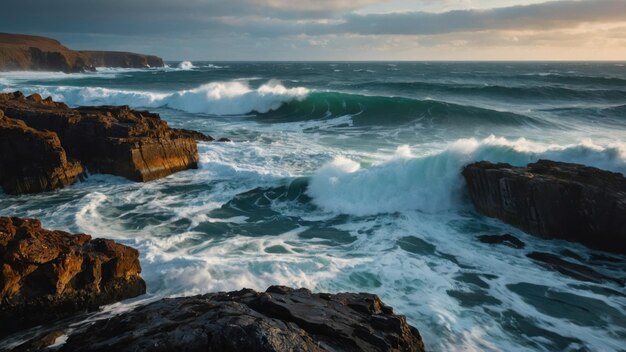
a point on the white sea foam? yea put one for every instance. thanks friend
(216, 98)
(186, 65)
(433, 183)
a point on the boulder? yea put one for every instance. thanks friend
(49, 275)
(31, 160)
(115, 140)
(280, 319)
(554, 200)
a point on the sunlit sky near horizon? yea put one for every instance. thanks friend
(332, 30)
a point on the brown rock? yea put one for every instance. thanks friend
(554, 200)
(32, 160)
(280, 319)
(48, 275)
(27, 52)
(134, 144)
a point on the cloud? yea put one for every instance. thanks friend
(244, 29)
(548, 15)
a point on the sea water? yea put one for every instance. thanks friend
(346, 177)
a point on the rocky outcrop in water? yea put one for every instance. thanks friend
(554, 200)
(115, 140)
(33, 53)
(48, 275)
(280, 319)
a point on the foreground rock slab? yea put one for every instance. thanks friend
(48, 275)
(120, 141)
(280, 319)
(554, 200)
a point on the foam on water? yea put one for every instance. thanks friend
(186, 65)
(433, 183)
(216, 98)
(291, 203)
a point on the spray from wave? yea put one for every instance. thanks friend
(186, 65)
(433, 183)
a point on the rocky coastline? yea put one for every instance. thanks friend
(46, 145)
(19, 52)
(50, 275)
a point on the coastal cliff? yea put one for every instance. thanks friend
(554, 200)
(20, 52)
(47, 144)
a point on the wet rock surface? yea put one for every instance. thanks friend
(554, 200)
(280, 319)
(48, 275)
(120, 141)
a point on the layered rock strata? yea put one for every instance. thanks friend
(20, 52)
(49, 275)
(554, 200)
(31, 160)
(120, 141)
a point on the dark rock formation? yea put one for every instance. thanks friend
(506, 239)
(120, 59)
(137, 145)
(48, 275)
(33, 53)
(32, 160)
(280, 319)
(554, 200)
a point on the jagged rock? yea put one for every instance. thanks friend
(134, 144)
(506, 239)
(31, 160)
(27, 52)
(280, 319)
(48, 275)
(554, 200)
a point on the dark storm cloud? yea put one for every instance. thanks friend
(549, 15)
(269, 18)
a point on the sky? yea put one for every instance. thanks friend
(331, 29)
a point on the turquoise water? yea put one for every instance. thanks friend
(345, 177)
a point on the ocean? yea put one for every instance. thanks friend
(346, 177)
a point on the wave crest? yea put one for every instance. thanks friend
(433, 183)
(216, 98)
(186, 65)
